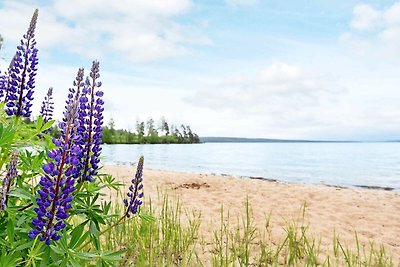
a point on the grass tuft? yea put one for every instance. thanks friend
(169, 236)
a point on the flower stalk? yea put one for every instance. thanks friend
(22, 74)
(135, 194)
(91, 118)
(47, 108)
(8, 180)
(57, 184)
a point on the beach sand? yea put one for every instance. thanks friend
(373, 214)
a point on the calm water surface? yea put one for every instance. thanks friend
(343, 164)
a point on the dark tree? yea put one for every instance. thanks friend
(190, 134)
(140, 128)
(173, 134)
(151, 131)
(164, 126)
(184, 131)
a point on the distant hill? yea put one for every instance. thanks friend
(210, 139)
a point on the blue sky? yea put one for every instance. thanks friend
(274, 69)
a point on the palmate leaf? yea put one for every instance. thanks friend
(108, 258)
(40, 126)
(24, 245)
(90, 208)
(63, 252)
(110, 182)
(39, 123)
(6, 135)
(32, 163)
(22, 193)
(77, 238)
(10, 259)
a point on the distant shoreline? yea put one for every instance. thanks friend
(268, 140)
(256, 140)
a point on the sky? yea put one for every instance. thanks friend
(321, 70)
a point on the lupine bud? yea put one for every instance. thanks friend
(135, 193)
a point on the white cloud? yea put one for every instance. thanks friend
(377, 31)
(127, 97)
(280, 99)
(135, 30)
(365, 17)
(392, 15)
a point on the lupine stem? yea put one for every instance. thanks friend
(25, 207)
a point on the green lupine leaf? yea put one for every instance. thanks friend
(47, 125)
(10, 230)
(76, 235)
(39, 123)
(112, 255)
(57, 250)
(24, 246)
(88, 256)
(21, 193)
(94, 229)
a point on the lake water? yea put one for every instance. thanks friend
(341, 164)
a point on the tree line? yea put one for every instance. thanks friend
(150, 133)
(145, 133)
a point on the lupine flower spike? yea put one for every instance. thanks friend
(2, 85)
(47, 106)
(6, 85)
(57, 184)
(8, 180)
(91, 121)
(22, 74)
(135, 193)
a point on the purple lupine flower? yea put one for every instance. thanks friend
(47, 108)
(91, 121)
(22, 74)
(7, 81)
(12, 172)
(2, 82)
(57, 185)
(135, 193)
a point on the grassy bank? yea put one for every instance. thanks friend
(169, 236)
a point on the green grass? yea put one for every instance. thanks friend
(169, 236)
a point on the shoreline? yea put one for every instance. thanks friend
(325, 210)
(267, 179)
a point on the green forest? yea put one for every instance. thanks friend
(146, 133)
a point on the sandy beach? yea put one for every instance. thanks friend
(373, 214)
